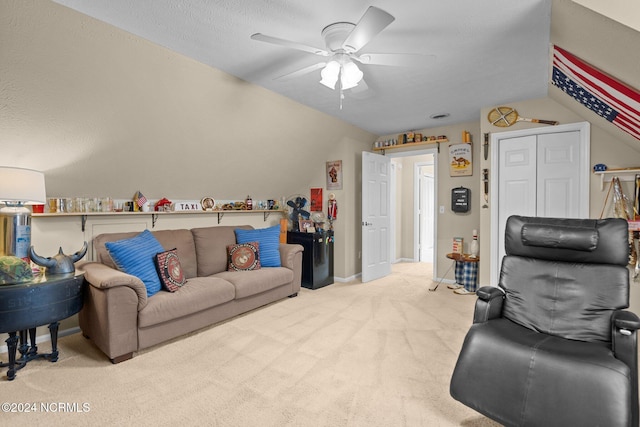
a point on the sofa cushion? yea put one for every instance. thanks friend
(182, 240)
(211, 247)
(169, 270)
(269, 239)
(200, 293)
(244, 256)
(135, 256)
(249, 283)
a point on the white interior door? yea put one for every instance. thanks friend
(376, 208)
(427, 209)
(540, 172)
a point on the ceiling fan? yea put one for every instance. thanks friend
(343, 43)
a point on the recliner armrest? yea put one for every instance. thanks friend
(624, 344)
(488, 304)
(626, 320)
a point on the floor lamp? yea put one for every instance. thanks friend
(18, 188)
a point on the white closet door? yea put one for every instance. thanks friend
(539, 172)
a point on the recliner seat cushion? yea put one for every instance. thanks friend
(513, 375)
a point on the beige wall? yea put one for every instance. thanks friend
(106, 113)
(448, 224)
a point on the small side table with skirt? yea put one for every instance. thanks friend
(466, 273)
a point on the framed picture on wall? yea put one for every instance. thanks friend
(334, 175)
(460, 160)
(306, 226)
(316, 200)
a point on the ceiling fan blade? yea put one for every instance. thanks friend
(301, 72)
(362, 91)
(287, 43)
(361, 87)
(372, 22)
(395, 59)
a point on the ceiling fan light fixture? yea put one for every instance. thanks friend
(330, 74)
(350, 76)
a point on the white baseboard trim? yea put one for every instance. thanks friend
(404, 260)
(346, 280)
(47, 337)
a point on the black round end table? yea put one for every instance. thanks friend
(46, 299)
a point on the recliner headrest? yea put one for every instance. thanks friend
(602, 241)
(562, 237)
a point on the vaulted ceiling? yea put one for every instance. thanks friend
(485, 53)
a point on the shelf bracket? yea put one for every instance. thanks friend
(154, 218)
(220, 215)
(84, 222)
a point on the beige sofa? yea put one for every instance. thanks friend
(120, 319)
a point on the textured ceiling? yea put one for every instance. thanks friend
(488, 52)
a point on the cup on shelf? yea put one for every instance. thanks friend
(53, 205)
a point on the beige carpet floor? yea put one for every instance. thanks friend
(349, 354)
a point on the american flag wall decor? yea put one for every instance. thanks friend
(601, 93)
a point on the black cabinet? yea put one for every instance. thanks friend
(317, 258)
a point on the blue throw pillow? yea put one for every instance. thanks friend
(269, 239)
(135, 256)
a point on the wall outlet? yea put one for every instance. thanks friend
(441, 209)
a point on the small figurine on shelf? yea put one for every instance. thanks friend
(474, 247)
(249, 203)
(162, 205)
(332, 210)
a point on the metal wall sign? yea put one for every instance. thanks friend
(460, 199)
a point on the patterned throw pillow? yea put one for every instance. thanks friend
(269, 239)
(169, 270)
(244, 256)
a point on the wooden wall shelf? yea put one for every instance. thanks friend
(411, 144)
(155, 215)
(624, 174)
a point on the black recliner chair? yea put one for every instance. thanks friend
(552, 345)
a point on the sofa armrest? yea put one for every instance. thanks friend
(291, 258)
(109, 315)
(288, 253)
(104, 277)
(488, 304)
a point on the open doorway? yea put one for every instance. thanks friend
(413, 206)
(425, 211)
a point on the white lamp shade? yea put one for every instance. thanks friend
(350, 76)
(330, 74)
(25, 186)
